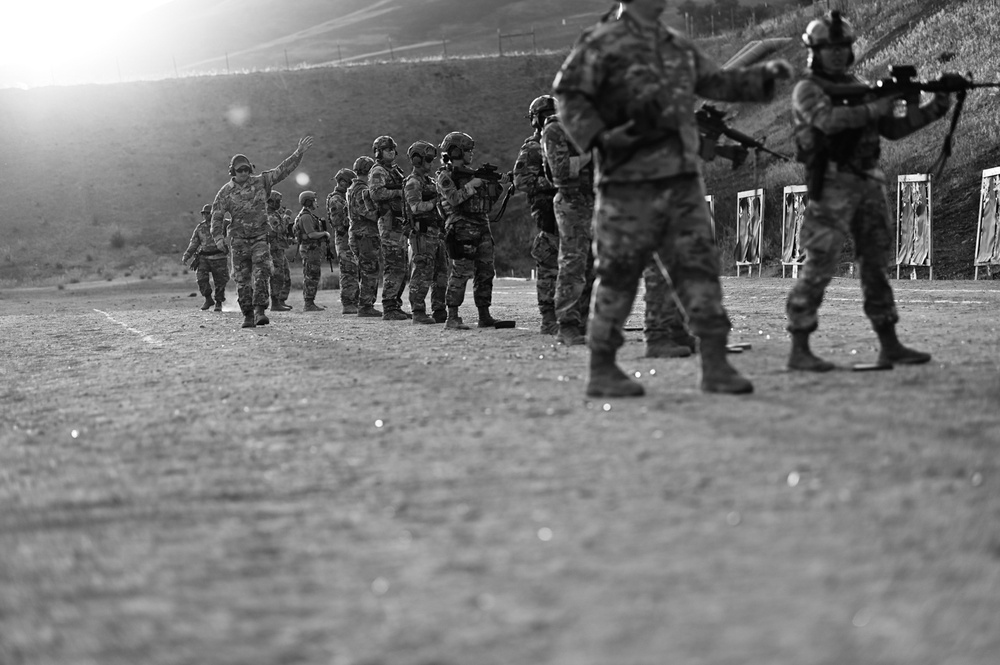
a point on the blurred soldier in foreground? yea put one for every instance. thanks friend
(280, 220)
(573, 175)
(336, 211)
(385, 184)
(628, 89)
(311, 233)
(529, 177)
(244, 197)
(430, 270)
(466, 200)
(363, 215)
(841, 146)
(209, 261)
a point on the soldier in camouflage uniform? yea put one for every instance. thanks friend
(336, 211)
(279, 219)
(430, 271)
(847, 192)
(573, 175)
(312, 236)
(530, 178)
(364, 236)
(211, 261)
(244, 197)
(628, 89)
(385, 185)
(466, 201)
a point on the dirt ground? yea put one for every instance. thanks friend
(342, 491)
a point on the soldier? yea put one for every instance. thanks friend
(279, 219)
(363, 235)
(336, 210)
(530, 178)
(847, 192)
(628, 90)
(385, 184)
(311, 234)
(244, 197)
(573, 175)
(430, 270)
(211, 261)
(466, 201)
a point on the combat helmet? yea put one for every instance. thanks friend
(546, 104)
(275, 196)
(206, 209)
(455, 144)
(345, 175)
(307, 196)
(363, 164)
(426, 151)
(380, 144)
(238, 160)
(830, 30)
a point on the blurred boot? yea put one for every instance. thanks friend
(454, 321)
(570, 335)
(893, 352)
(717, 375)
(208, 303)
(667, 348)
(420, 317)
(549, 324)
(259, 317)
(394, 315)
(801, 358)
(485, 320)
(607, 380)
(369, 312)
(278, 306)
(248, 318)
(440, 316)
(311, 306)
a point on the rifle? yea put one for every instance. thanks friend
(712, 125)
(491, 175)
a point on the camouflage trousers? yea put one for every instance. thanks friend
(281, 277)
(545, 252)
(251, 271)
(430, 270)
(395, 269)
(312, 259)
(350, 277)
(218, 270)
(368, 251)
(851, 205)
(575, 217)
(477, 263)
(668, 216)
(664, 318)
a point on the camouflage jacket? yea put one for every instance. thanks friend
(385, 185)
(849, 135)
(279, 220)
(620, 70)
(420, 195)
(563, 160)
(336, 211)
(307, 222)
(530, 178)
(460, 201)
(247, 203)
(361, 210)
(202, 243)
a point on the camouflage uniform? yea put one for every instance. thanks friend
(651, 197)
(574, 211)
(251, 254)
(312, 251)
(281, 278)
(364, 239)
(385, 185)
(430, 268)
(853, 200)
(529, 177)
(350, 277)
(212, 263)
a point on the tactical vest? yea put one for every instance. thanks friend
(858, 148)
(393, 181)
(421, 221)
(482, 198)
(300, 232)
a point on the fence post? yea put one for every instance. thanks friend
(392, 56)
(340, 57)
(534, 46)
(444, 46)
(119, 65)
(499, 42)
(288, 67)
(176, 74)
(227, 62)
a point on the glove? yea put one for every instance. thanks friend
(222, 245)
(881, 107)
(779, 69)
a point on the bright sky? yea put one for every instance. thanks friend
(55, 41)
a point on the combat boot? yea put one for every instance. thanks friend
(454, 321)
(667, 348)
(549, 324)
(394, 315)
(717, 375)
(350, 309)
(607, 380)
(208, 303)
(802, 359)
(440, 316)
(420, 317)
(285, 303)
(259, 317)
(893, 352)
(278, 306)
(311, 306)
(218, 306)
(369, 311)
(485, 320)
(570, 335)
(248, 318)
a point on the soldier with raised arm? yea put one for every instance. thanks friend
(385, 185)
(430, 270)
(336, 212)
(244, 198)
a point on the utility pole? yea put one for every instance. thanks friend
(392, 56)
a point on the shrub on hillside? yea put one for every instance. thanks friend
(117, 240)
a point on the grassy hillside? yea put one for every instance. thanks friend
(105, 179)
